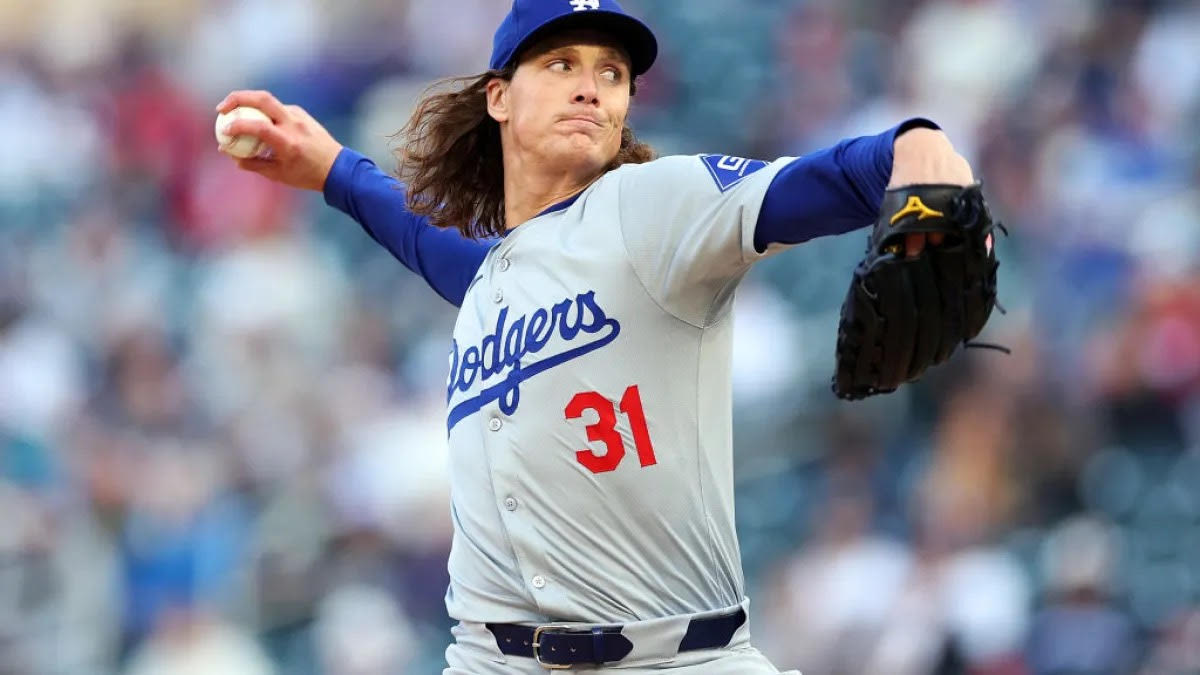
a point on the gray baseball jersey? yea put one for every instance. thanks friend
(590, 402)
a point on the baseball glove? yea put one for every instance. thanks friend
(903, 315)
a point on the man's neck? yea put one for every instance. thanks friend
(528, 191)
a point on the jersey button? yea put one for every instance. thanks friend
(494, 424)
(504, 264)
(498, 296)
(510, 503)
(539, 581)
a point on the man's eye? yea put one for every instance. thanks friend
(612, 75)
(559, 66)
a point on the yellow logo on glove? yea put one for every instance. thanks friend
(915, 205)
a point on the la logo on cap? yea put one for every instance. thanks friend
(581, 5)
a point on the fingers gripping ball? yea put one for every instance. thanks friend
(904, 314)
(243, 146)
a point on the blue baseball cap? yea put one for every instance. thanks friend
(532, 20)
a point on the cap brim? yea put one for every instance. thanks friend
(635, 36)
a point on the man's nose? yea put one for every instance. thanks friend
(586, 90)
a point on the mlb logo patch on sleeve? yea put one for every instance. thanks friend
(728, 171)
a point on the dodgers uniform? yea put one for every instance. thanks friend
(589, 399)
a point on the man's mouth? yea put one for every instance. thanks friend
(584, 119)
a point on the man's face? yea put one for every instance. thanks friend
(567, 102)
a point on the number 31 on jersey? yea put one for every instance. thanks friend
(605, 429)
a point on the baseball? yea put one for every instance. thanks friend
(245, 145)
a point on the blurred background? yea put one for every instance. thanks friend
(221, 420)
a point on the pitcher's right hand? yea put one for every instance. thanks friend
(301, 151)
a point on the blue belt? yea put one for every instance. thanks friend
(556, 646)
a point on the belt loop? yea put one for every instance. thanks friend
(712, 632)
(598, 645)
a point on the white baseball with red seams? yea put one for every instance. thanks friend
(243, 146)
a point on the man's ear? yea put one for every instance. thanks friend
(497, 99)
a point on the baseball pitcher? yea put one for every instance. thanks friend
(588, 389)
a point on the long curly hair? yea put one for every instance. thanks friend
(452, 163)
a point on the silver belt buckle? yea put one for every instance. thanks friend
(537, 647)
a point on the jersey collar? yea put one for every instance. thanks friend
(555, 208)
(561, 206)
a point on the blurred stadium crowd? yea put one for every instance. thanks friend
(221, 423)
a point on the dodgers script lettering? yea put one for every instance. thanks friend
(499, 354)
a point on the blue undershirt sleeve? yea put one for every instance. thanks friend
(443, 257)
(832, 191)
